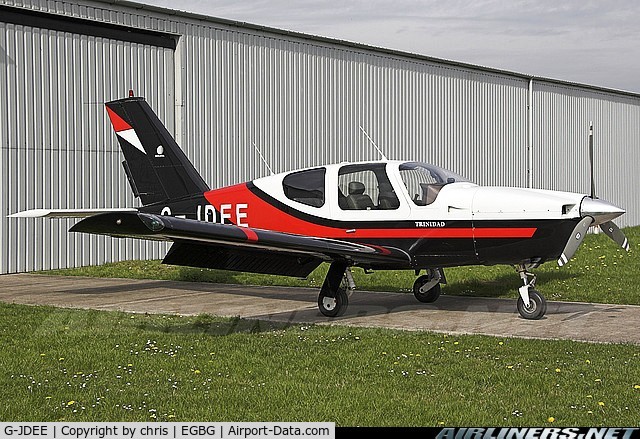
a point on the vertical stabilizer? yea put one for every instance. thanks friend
(157, 169)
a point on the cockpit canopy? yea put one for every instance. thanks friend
(367, 186)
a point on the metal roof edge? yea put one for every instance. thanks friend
(366, 47)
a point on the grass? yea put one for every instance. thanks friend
(77, 365)
(600, 272)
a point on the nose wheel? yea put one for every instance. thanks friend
(536, 308)
(531, 304)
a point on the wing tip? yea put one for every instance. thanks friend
(32, 213)
(66, 213)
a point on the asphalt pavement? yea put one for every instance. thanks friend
(454, 315)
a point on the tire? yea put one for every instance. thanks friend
(331, 306)
(431, 295)
(537, 306)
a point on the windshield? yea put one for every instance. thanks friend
(424, 181)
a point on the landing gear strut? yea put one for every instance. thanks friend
(531, 304)
(334, 294)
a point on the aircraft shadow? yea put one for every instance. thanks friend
(503, 283)
(110, 289)
(362, 303)
(207, 325)
(371, 304)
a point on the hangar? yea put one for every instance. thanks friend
(233, 91)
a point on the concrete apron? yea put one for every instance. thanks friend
(450, 314)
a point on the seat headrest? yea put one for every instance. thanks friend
(385, 187)
(356, 188)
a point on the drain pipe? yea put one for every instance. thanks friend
(530, 135)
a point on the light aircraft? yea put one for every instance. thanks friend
(377, 215)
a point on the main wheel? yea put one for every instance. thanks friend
(333, 306)
(430, 295)
(537, 306)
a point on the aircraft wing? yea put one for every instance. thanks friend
(65, 213)
(229, 247)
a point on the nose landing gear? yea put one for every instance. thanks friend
(531, 304)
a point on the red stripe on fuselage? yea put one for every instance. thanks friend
(262, 215)
(251, 235)
(446, 232)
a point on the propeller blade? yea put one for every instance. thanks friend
(614, 232)
(574, 242)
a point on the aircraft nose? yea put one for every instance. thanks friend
(601, 211)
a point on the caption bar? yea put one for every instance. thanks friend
(169, 430)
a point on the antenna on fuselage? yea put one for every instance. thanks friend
(373, 143)
(262, 158)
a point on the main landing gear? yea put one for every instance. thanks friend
(426, 288)
(334, 294)
(338, 285)
(531, 304)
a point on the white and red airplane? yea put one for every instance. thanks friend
(377, 215)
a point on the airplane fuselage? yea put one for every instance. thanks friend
(462, 224)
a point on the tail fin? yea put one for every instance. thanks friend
(156, 167)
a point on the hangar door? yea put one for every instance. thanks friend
(57, 149)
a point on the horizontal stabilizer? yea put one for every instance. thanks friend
(66, 213)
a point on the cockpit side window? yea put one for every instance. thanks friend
(306, 187)
(365, 187)
(423, 182)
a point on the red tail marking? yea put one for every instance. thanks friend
(119, 124)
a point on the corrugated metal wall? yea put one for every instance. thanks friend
(303, 103)
(561, 144)
(300, 100)
(57, 147)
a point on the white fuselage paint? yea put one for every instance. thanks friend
(456, 201)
